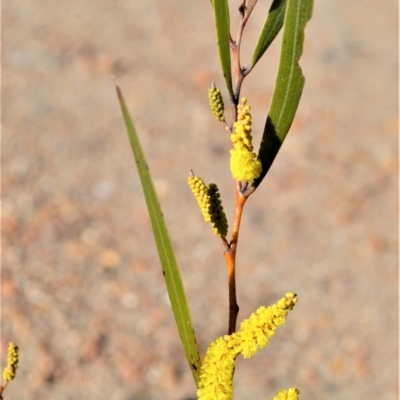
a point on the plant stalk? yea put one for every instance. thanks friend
(230, 259)
(2, 387)
(230, 253)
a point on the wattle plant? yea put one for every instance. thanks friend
(214, 377)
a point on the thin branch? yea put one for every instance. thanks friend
(230, 259)
(226, 126)
(233, 306)
(225, 243)
(245, 11)
(243, 191)
(2, 387)
(249, 8)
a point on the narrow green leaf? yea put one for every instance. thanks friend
(289, 83)
(169, 265)
(271, 28)
(222, 23)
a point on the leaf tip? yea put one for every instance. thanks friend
(119, 94)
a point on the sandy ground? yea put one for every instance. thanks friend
(82, 292)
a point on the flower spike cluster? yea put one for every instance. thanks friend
(12, 362)
(254, 334)
(244, 163)
(208, 199)
(216, 103)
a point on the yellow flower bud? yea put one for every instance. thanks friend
(216, 103)
(216, 212)
(12, 362)
(208, 199)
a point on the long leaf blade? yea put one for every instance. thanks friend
(222, 24)
(289, 83)
(271, 28)
(169, 265)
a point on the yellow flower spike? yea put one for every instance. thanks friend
(244, 163)
(12, 362)
(219, 362)
(208, 199)
(217, 372)
(255, 332)
(216, 103)
(290, 394)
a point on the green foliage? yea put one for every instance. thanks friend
(222, 24)
(169, 265)
(289, 83)
(271, 28)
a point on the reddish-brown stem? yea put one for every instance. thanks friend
(2, 387)
(239, 72)
(247, 10)
(242, 193)
(230, 259)
(233, 306)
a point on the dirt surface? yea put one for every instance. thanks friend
(82, 291)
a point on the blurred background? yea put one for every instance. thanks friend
(82, 290)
